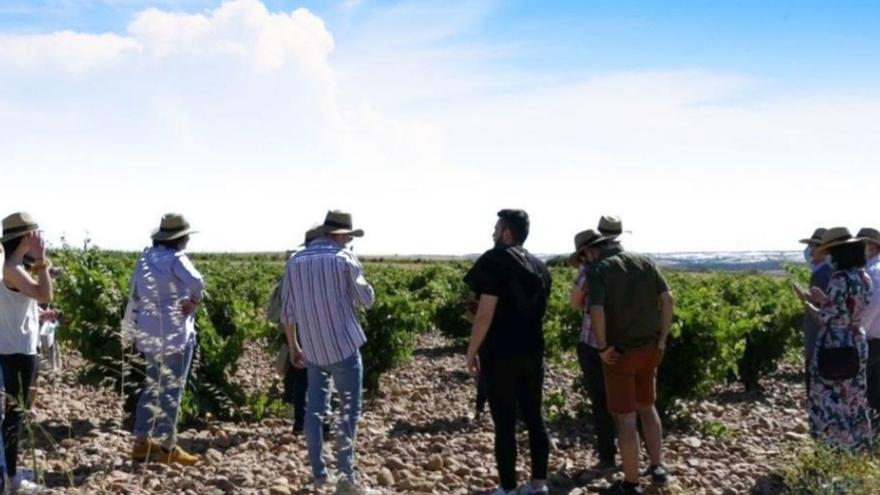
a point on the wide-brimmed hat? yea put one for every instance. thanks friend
(339, 222)
(868, 234)
(172, 226)
(585, 239)
(17, 225)
(816, 238)
(610, 226)
(836, 236)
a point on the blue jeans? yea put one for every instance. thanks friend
(347, 377)
(159, 403)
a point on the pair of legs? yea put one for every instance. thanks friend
(347, 376)
(873, 376)
(296, 385)
(516, 383)
(19, 373)
(159, 403)
(631, 390)
(594, 382)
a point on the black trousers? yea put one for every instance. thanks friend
(296, 384)
(19, 372)
(516, 383)
(594, 382)
(874, 377)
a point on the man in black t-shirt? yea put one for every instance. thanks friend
(507, 345)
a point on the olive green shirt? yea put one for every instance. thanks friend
(627, 286)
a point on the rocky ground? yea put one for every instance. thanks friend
(417, 438)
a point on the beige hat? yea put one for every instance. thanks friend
(339, 222)
(18, 225)
(610, 226)
(836, 236)
(816, 238)
(868, 234)
(173, 226)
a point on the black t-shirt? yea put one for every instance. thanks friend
(522, 284)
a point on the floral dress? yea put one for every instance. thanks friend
(839, 409)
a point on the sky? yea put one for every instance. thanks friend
(706, 126)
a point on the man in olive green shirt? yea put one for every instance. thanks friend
(631, 312)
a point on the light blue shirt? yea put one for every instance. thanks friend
(162, 279)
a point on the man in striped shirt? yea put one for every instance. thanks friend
(323, 286)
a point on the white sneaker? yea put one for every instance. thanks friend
(21, 485)
(320, 483)
(346, 486)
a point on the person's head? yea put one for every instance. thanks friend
(872, 241)
(846, 252)
(16, 228)
(512, 228)
(177, 244)
(338, 227)
(582, 241)
(173, 232)
(811, 252)
(848, 256)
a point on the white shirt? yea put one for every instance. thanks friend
(871, 315)
(19, 322)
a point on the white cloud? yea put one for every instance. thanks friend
(255, 122)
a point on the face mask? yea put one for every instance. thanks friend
(808, 254)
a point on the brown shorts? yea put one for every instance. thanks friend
(630, 382)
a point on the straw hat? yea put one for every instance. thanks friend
(816, 238)
(173, 226)
(585, 239)
(18, 225)
(836, 236)
(339, 222)
(868, 234)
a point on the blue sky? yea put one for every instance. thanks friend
(819, 43)
(741, 108)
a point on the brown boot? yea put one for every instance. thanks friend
(178, 456)
(146, 450)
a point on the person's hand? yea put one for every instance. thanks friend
(473, 365)
(817, 296)
(50, 315)
(610, 355)
(297, 358)
(36, 245)
(188, 307)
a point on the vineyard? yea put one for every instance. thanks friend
(730, 331)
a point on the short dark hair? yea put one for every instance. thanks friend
(517, 222)
(175, 244)
(848, 256)
(12, 244)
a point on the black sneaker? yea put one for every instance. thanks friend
(298, 427)
(658, 473)
(604, 466)
(621, 487)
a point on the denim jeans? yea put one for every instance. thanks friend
(159, 402)
(347, 376)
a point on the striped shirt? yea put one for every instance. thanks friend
(587, 335)
(323, 285)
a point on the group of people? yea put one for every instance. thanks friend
(627, 309)
(842, 336)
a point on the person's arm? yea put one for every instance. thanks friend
(578, 295)
(288, 316)
(362, 291)
(482, 322)
(187, 273)
(872, 311)
(667, 307)
(15, 275)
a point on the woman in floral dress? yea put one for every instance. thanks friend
(838, 409)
